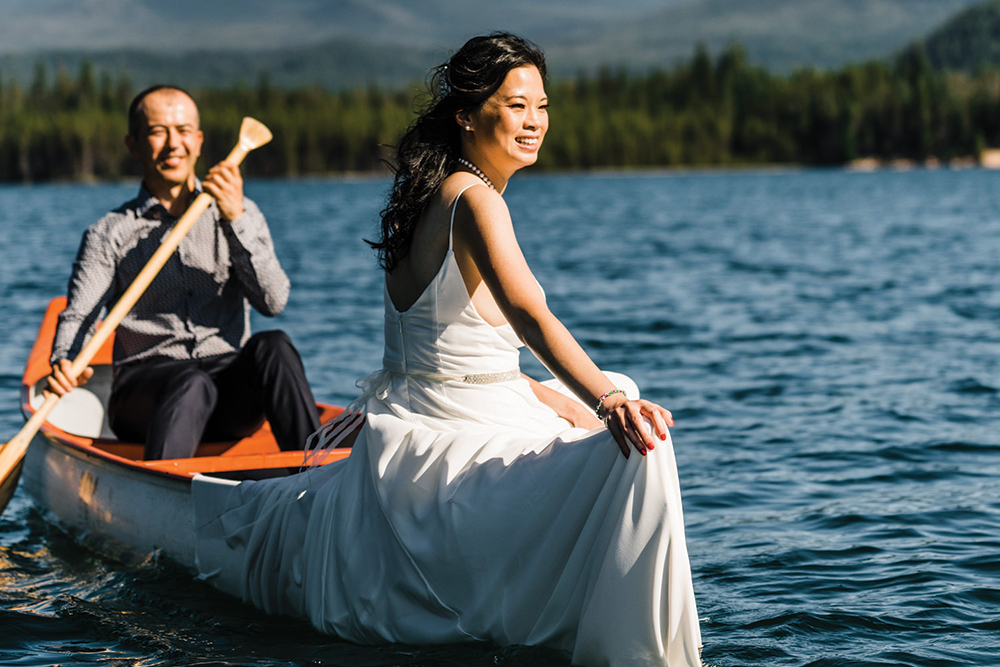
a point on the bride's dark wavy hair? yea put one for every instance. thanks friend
(428, 151)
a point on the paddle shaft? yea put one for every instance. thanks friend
(12, 453)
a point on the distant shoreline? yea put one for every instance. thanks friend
(897, 166)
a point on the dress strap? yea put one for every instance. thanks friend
(454, 206)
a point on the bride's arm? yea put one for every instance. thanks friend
(484, 234)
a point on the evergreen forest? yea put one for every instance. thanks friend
(707, 111)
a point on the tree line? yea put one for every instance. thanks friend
(708, 111)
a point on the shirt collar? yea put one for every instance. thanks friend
(147, 202)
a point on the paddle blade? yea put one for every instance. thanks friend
(253, 134)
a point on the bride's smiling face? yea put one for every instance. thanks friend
(507, 130)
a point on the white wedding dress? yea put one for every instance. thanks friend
(467, 511)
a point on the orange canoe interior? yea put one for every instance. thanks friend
(258, 451)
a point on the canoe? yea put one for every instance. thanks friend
(100, 490)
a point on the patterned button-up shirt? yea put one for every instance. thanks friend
(199, 303)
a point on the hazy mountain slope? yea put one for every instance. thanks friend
(334, 65)
(780, 34)
(968, 41)
(96, 25)
(350, 42)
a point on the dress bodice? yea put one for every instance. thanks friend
(442, 333)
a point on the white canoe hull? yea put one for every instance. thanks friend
(122, 512)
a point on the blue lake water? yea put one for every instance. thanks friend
(828, 341)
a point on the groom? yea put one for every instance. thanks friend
(186, 368)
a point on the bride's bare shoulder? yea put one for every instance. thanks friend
(477, 201)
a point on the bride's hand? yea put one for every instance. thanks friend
(568, 408)
(579, 415)
(625, 420)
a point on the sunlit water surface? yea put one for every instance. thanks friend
(829, 343)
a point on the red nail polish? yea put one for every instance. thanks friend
(663, 437)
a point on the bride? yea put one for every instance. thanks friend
(476, 504)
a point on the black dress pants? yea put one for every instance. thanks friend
(172, 405)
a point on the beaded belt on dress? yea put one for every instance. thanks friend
(490, 378)
(382, 377)
(378, 383)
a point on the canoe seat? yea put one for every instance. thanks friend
(81, 411)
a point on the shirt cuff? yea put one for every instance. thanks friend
(247, 227)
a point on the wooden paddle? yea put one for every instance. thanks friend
(253, 134)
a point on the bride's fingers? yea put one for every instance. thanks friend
(619, 435)
(667, 416)
(635, 429)
(659, 424)
(661, 419)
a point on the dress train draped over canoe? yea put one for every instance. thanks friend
(467, 511)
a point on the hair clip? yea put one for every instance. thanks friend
(445, 87)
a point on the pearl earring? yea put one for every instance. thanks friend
(468, 128)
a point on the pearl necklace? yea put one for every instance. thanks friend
(477, 171)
